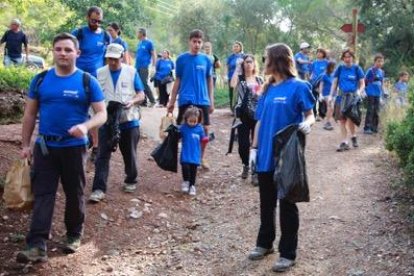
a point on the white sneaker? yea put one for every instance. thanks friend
(129, 188)
(192, 190)
(97, 196)
(185, 186)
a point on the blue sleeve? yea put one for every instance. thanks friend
(259, 108)
(75, 32)
(32, 88)
(157, 65)
(151, 46)
(172, 65)
(360, 73)
(305, 99)
(125, 45)
(228, 60)
(337, 70)
(368, 75)
(179, 67)
(96, 90)
(201, 132)
(138, 83)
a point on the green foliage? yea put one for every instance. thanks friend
(15, 78)
(221, 97)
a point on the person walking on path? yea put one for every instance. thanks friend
(208, 49)
(123, 88)
(317, 69)
(401, 89)
(374, 79)
(325, 89)
(146, 55)
(232, 61)
(192, 137)
(349, 78)
(194, 85)
(285, 100)
(115, 32)
(14, 39)
(93, 41)
(163, 76)
(62, 97)
(248, 86)
(303, 61)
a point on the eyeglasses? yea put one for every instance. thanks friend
(95, 21)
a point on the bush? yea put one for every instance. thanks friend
(15, 78)
(221, 97)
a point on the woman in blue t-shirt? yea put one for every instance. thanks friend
(163, 76)
(285, 100)
(325, 89)
(115, 31)
(349, 78)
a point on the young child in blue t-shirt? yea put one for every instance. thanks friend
(192, 135)
(401, 88)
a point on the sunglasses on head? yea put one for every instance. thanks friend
(95, 21)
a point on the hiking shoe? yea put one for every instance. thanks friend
(192, 190)
(328, 126)
(34, 255)
(354, 142)
(342, 147)
(282, 265)
(255, 180)
(72, 245)
(245, 172)
(259, 253)
(129, 188)
(97, 196)
(368, 131)
(92, 155)
(185, 187)
(318, 119)
(205, 165)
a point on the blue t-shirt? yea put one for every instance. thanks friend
(163, 68)
(144, 50)
(121, 42)
(193, 72)
(318, 67)
(191, 143)
(302, 67)
(374, 78)
(349, 77)
(14, 42)
(281, 105)
(63, 104)
(401, 87)
(232, 63)
(92, 47)
(327, 84)
(139, 88)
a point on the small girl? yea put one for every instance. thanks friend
(325, 88)
(192, 135)
(401, 88)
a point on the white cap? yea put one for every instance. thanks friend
(114, 50)
(16, 21)
(304, 45)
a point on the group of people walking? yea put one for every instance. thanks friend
(92, 69)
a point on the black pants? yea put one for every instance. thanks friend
(244, 135)
(66, 164)
(289, 219)
(189, 172)
(372, 117)
(128, 146)
(143, 75)
(315, 94)
(164, 97)
(231, 92)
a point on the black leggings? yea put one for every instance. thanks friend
(245, 134)
(189, 172)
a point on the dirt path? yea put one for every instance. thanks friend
(352, 226)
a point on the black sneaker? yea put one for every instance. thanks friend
(354, 142)
(92, 156)
(33, 254)
(368, 131)
(72, 244)
(342, 147)
(245, 172)
(259, 253)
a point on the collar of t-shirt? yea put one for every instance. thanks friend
(115, 76)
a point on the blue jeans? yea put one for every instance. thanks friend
(8, 61)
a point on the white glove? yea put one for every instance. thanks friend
(305, 127)
(252, 158)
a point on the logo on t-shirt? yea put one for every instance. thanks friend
(71, 93)
(201, 67)
(99, 43)
(351, 77)
(281, 100)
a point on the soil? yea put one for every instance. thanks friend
(11, 106)
(355, 223)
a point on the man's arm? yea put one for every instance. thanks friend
(138, 98)
(98, 119)
(154, 57)
(173, 97)
(29, 122)
(211, 93)
(26, 48)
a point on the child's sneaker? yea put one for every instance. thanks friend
(354, 142)
(185, 186)
(192, 190)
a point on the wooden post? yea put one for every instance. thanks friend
(354, 30)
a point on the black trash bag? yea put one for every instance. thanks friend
(323, 109)
(166, 154)
(236, 122)
(114, 110)
(290, 172)
(353, 111)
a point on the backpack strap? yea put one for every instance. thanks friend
(79, 34)
(39, 79)
(86, 80)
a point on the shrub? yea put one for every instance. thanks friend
(15, 78)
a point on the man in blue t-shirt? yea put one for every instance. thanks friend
(14, 39)
(194, 84)
(62, 97)
(374, 79)
(145, 56)
(123, 92)
(303, 61)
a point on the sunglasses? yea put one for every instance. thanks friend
(95, 21)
